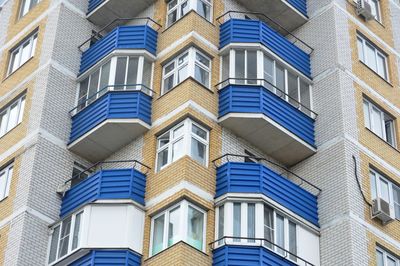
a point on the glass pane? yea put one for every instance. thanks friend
(158, 234)
(24, 7)
(178, 131)
(163, 140)
(367, 120)
(389, 130)
(105, 76)
(360, 49)
(377, 122)
(3, 122)
(3, 184)
(202, 59)
(269, 72)
(391, 262)
(120, 73)
(184, 8)
(381, 61)
(202, 76)
(13, 117)
(370, 56)
(251, 67)
(198, 151)
(169, 68)
(305, 97)
(237, 220)
(384, 190)
(93, 86)
(268, 226)
(169, 83)
(178, 149)
(280, 80)
(172, 4)
(34, 45)
(14, 62)
(373, 185)
(21, 110)
(33, 3)
(75, 239)
(221, 223)
(239, 66)
(293, 89)
(251, 221)
(53, 244)
(379, 258)
(132, 73)
(173, 226)
(225, 67)
(292, 240)
(147, 69)
(280, 233)
(162, 158)
(195, 228)
(26, 52)
(204, 10)
(64, 238)
(199, 132)
(396, 198)
(182, 73)
(172, 17)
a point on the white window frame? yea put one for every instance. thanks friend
(26, 6)
(111, 79)
(6, 173)
(364, 42)
(20, 103)
(387, 255)
(190, 64)
(259, 226)
(183, 222)
(370, 123)
(192, 5)
(187, 136)
(260, 75)
(375, 177)
(31, 41)
(71, 237)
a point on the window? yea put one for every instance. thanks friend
(22, 53)
(379, 122)
(79, 173)
(182, 222)
(27, 5)
(382, 188)
(118, 73)
(176, 9)
(65, 237)
(12, 115)
(186, 138)
(373, 57)
(278, 231)
(384, 258)
(254, 67)
(191, 63)
(5, 180)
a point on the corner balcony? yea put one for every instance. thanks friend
(102, 12)
(268, 121)
(246, 31)
(110, 122)
(106, 184)
(138, 37)
(258, 178)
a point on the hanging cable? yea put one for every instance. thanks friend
(358, 182)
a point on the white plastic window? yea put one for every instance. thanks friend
(373, 57)
(176, 9)
(22, 53)
(12, 115)
(5, 181)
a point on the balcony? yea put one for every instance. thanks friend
(249, 177)
(258, 32)
(272, 123)
(109, 257)
(110, 122)
(102, 12)
(106, 183)
(290, 14)
(142, 37)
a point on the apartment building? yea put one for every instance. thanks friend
(199, 132)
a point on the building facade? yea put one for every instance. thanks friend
(199, 132)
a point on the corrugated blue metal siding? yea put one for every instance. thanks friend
(236, 177)
(300, 5)
(112, 105)
(109, 257)
(95, 3)
(123, 37)
(253, 31)
(247, 255)
(105, 184)
(257, 99)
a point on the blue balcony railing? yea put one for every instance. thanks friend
(300, 5)
(110, 183)
(129, 104)
(255, 31)
(109, 257)
(93, 4)
(240, 177)
(257, 99)
(123, 37)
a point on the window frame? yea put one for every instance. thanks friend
(191, 66)
(369, 122)
(186, 136)
(377, 52)
(70, 237)
(20, 102)
(31, 40)
(23, 3)
(8, 173)
(183, 228)
(192, 6)
(386, 255)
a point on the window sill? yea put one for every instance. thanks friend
(382, 78)
(185, 80)
(187, 14)
(170, 247)
(21, 66)
(394, 148)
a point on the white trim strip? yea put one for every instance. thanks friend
(28, 210)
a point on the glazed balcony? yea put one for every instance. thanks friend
(272, 121)
(109, 181)
(287, 47)
(261, 177)
(102, 12)
(122, 38)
